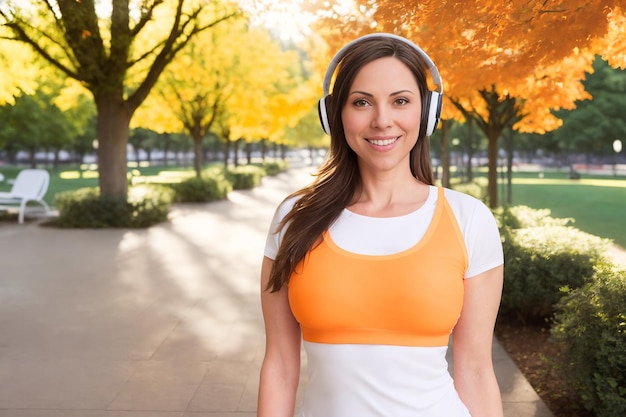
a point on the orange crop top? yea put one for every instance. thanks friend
(411, 298)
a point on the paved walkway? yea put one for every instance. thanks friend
(163, 322)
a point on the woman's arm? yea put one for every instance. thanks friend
(474, 375)
(280, 371)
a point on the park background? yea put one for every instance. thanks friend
(116, 95)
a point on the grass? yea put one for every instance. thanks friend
(72, 178)
(597, 204)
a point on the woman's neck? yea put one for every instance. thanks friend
(388, 194)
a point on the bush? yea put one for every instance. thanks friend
(518, 217)
(274, 167)
(542, 255)
(198, 190)
(245, 177)
(590, 326)
(146, 205)
(476, 188)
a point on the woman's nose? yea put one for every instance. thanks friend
(381, 117)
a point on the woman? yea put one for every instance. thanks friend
(373, 266)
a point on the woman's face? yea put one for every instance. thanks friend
(381, 117)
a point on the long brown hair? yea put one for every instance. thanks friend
(338, 179)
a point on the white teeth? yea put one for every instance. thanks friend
(383, 142)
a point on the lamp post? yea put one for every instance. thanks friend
(617, 147)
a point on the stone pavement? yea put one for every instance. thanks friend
(163, 322)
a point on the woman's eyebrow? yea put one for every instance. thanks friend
(395, 93)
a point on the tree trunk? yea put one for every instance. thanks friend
(470, 150)
(236, 152)
(509, 167)
(112, 131)
(249, 152)
(32, 157)
(226, 151)
(492, 155)
(197, 155)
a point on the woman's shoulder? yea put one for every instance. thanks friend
(460, 198)
(286, 205)
(466, 206)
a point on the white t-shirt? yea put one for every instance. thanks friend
(361, 380)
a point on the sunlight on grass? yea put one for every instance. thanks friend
(584, 181)
(69, 175)
(163, 177)
(141, 164)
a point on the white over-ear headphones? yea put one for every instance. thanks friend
(431, 108)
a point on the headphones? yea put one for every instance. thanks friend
(430, 117)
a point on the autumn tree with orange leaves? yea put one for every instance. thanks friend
(503, 64)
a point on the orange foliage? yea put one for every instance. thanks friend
(536, 51)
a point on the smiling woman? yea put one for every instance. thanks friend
(350, 259)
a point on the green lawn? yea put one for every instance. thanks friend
(66, 179)
(597, 204)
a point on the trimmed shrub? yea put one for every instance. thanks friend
(590, 326)
(199, 190)
(542, 255)
(518, 217)
(540, 261)
(245, 177)
(146, 205)
(274, 167)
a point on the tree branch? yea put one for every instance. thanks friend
(176, 41)
(146, 16)
(22, 36)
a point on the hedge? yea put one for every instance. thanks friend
(590, 326)
(146, 205)
(542, 256)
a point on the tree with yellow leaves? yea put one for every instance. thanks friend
(100, 47)
(236, 81)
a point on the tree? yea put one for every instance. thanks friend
(100, 53)
(521, 60)
(33, 122)
(234, 74)
(593, 125)
(308, 133)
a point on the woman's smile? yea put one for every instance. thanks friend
(383, 142)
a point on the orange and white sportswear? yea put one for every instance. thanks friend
(377, 301)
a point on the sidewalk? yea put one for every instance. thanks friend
(164, 322)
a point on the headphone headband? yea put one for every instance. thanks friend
(434, 72)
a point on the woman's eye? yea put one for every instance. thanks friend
(402, 101)
(361, 103)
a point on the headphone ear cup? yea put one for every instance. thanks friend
(323, 114)
(433, 112)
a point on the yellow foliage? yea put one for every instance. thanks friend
(239, 76)
(20, 70)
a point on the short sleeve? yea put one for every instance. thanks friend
(274, 236)
(480, 232)
(484, 245)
